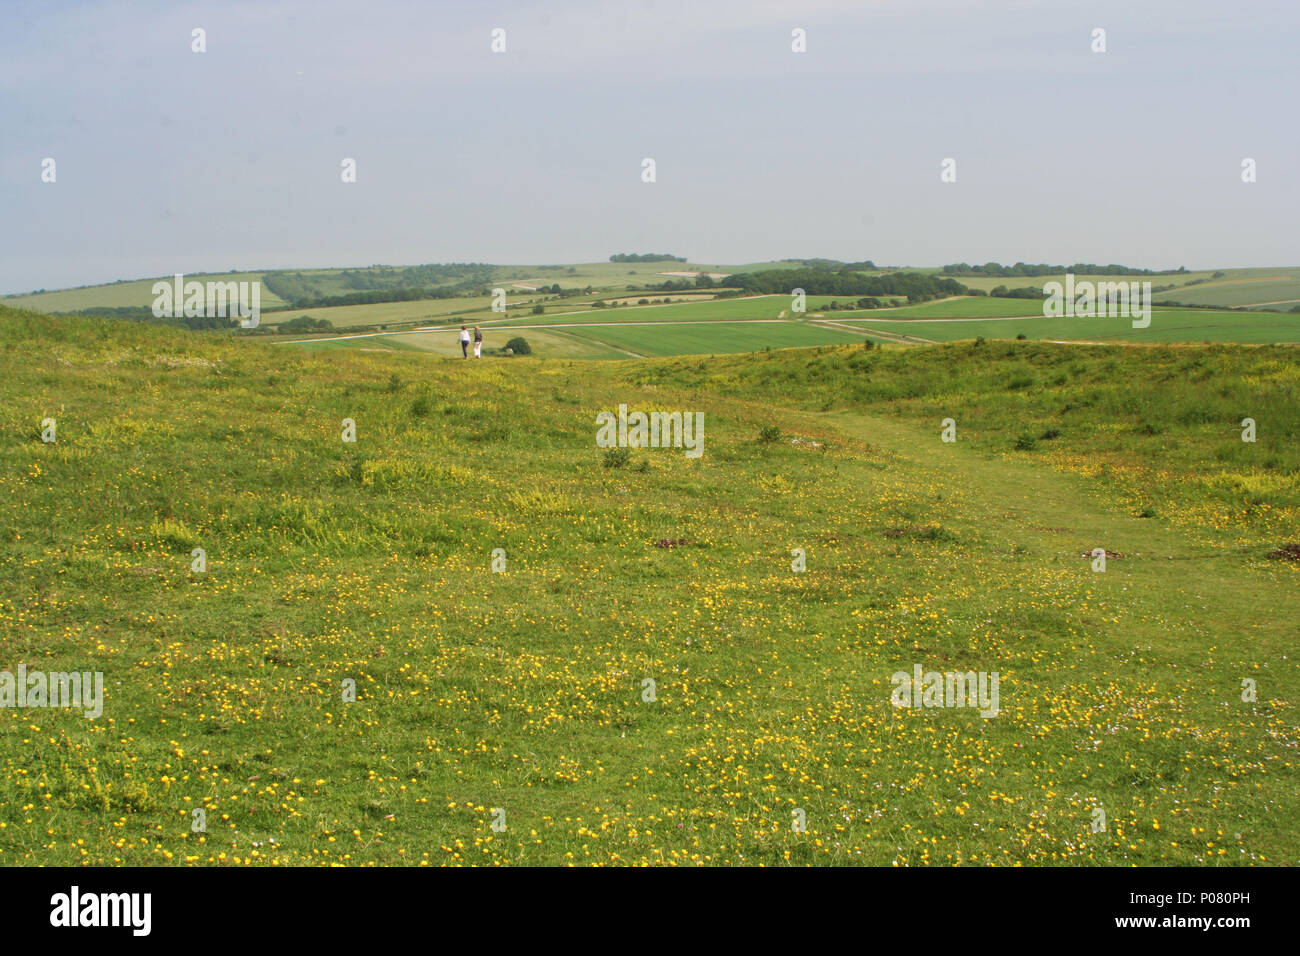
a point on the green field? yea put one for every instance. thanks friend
(545, 343)
(709, 338)
(419, 311)
(522, 696)
(1172, 325)
(1280, 288)
(965, 307)
(1236, 287)
(684, 330)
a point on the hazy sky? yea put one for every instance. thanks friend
(173, 161)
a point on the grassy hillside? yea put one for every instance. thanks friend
(523, 690)
(137, 292)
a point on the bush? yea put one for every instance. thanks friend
(1025, 442)
(519, 346)
(305, 323)
(421, 407)
(769, 433)
(616, 458)
(538, 309)
(1050, 434)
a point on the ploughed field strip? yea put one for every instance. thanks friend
(477, 634)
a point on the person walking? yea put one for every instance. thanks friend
(464, 342)
(478, 343)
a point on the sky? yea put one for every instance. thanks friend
(167, 160)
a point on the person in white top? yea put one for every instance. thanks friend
(464, 342)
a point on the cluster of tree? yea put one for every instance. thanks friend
(645, 257)
(1217, 275)
(916, 286)
(867, 303)
(305, 323)
(1040, 269)
(683, 285)
(378, 295)
(315, 299)
(387, 277)
(835, 265)
(289, 286)
(1024, 292)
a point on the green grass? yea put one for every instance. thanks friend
(523, 690)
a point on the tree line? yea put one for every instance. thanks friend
(916, 286)
(1079, 268)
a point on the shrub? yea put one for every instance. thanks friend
(616, 457)
(1025, 442)
(1050, 434)
(538, 309)
(421, 406)
(305, 323)
(769, 433)
(519, 346)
